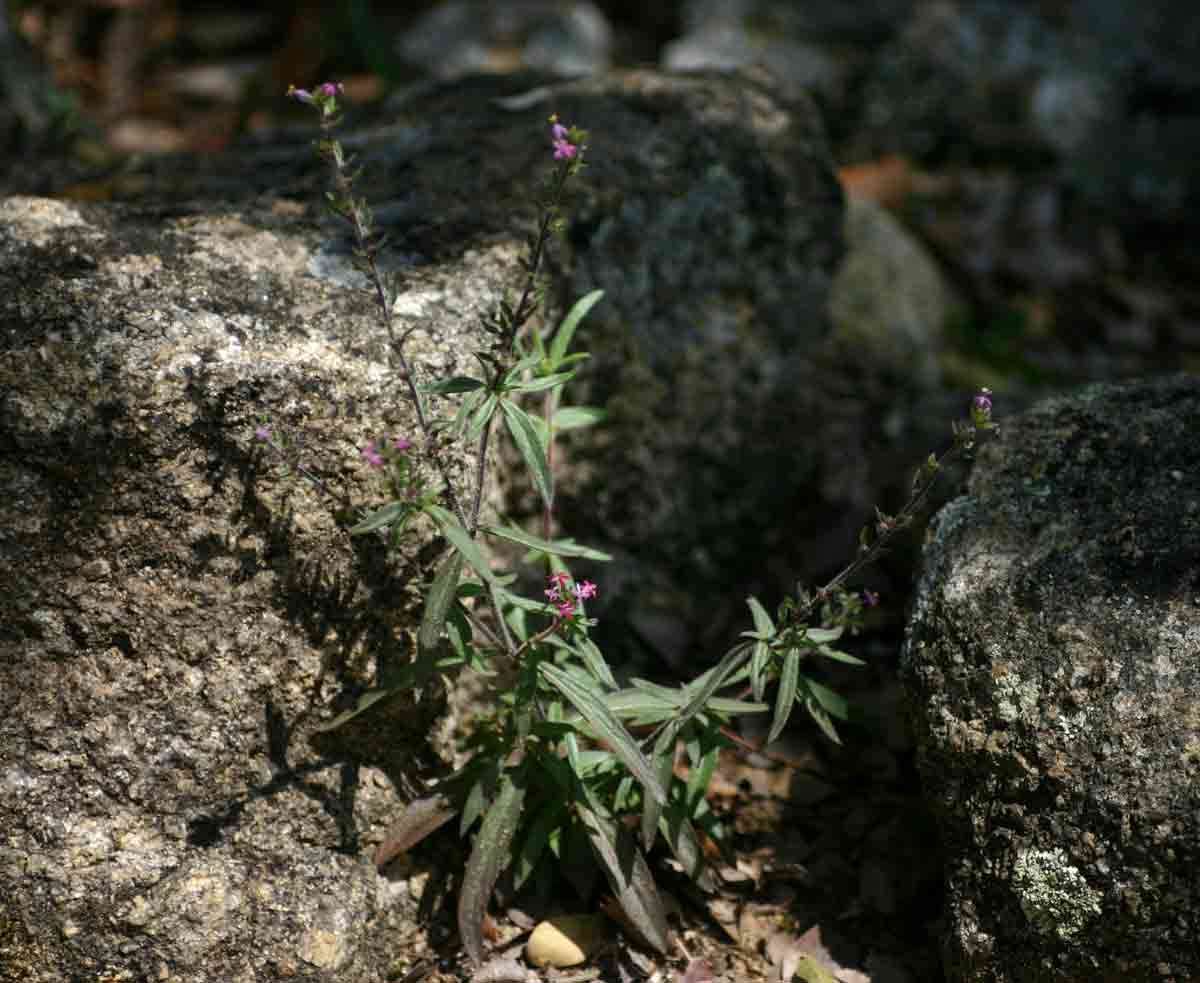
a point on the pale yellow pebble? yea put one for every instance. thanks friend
(565, 941)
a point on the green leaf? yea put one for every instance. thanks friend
(699, 776)
(785, 698)
(823, 635)
(442, 593)
(538, 836)
(596, 712)
(461, 540)
(529, 443)
(839, 656)
(385, 516)
(541, 383)
(834, 703)
(758, 669)
(681, 837)
(481, 790)
(482, 417)
(554, 547)
(566, 330)
(651, 809)
(629, 877)
(578, 417)
(762, 621)
(456, 384)
(489, 856)
(419, 818)
(821, 718)
(594, 661)
(712, 681)
(466, 407)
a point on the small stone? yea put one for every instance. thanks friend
(565, 941)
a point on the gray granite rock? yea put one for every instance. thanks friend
(1053, 668)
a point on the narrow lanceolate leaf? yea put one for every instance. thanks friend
(681, 836)
(596, 712)
(839, 656)
(577, 417)
(823, 635)
(482, 417)
(461, 540)
(785, 698)
(629, 877)
(594, 662)
(651, 809)
(489, 856)
(456, 384)
(529, 442)
(758, 669)
(762, 621)
(437, 603)
(817, 712)
(542, 383)
(419, 818)
(556, 547)
(716, 679)
(392, 512)
(566, 330)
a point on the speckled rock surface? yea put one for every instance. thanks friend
(1053, 666)
(177, 616)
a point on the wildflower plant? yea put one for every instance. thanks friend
(555, 770)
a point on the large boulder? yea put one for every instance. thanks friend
(1053, 666)
(179, 616)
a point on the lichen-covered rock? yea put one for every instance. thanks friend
(1053, 662)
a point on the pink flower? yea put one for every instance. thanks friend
(402, 443)
(566, 609)
(552, 594)
(560, 137)
(372, 456)
(330, 89)
(584, 590)
(559, 580)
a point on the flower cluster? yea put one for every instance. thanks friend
(565, 597)
(323, 97)
(564, 140)
(375, 457)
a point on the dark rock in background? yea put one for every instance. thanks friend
(1053, 666)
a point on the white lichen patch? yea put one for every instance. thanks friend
(1016, 698)
(1053, 894)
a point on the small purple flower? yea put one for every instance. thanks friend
(301, 95)
(401, 443)
(870, 598)
(372, 456)
(566, 609)
(330, 89)
(584, 590)
(981, 408)
(263, 433)
(559, 580)
(560, 137)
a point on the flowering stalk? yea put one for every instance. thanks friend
(357, 214)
